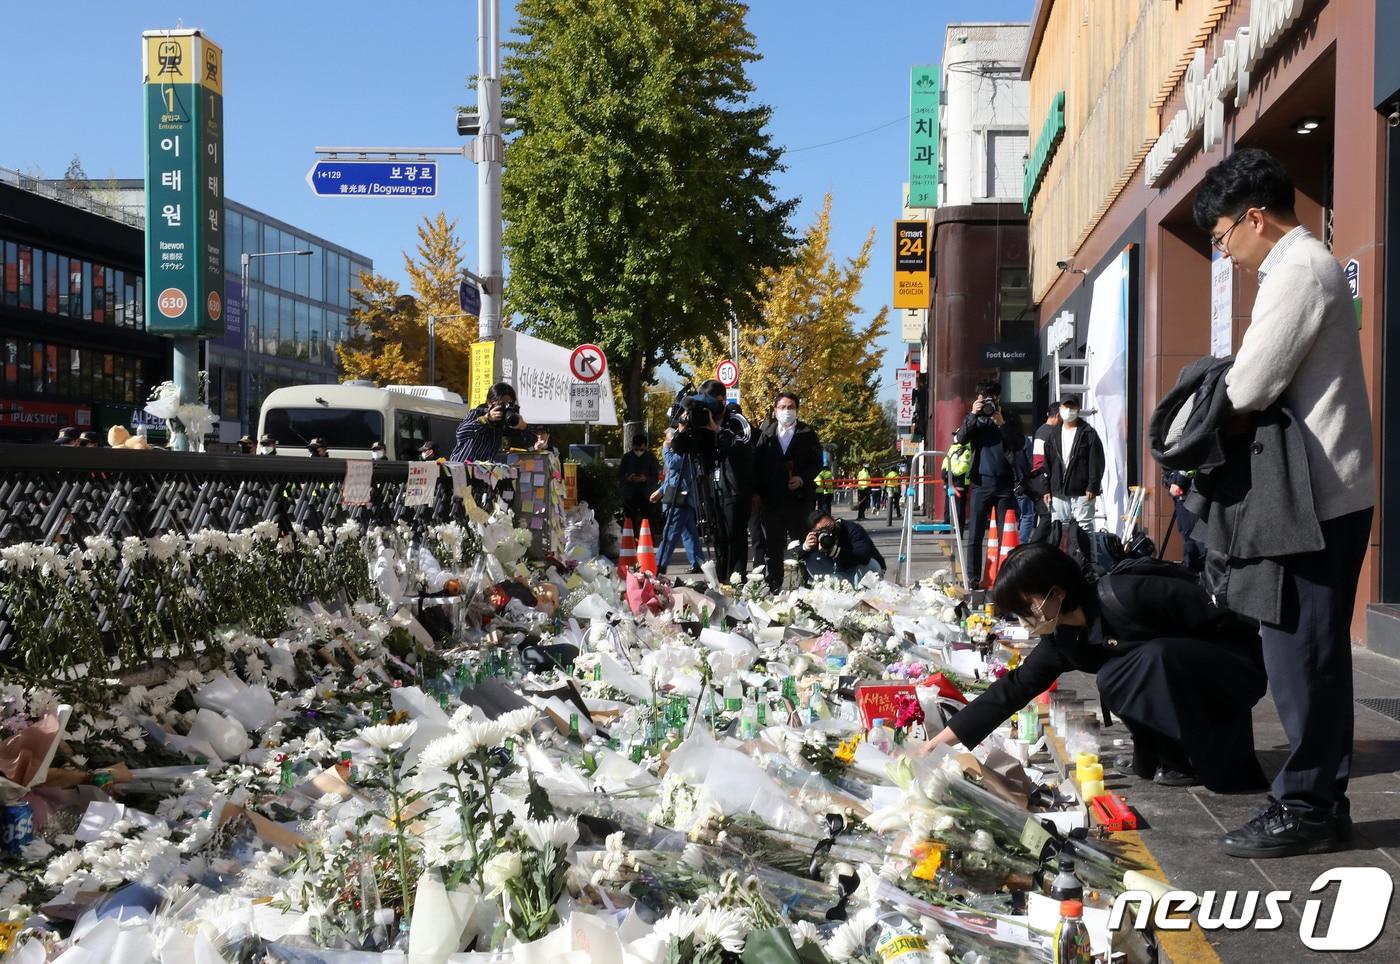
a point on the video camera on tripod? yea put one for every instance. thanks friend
(692, 408)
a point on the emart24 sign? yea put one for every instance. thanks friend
(912, 259)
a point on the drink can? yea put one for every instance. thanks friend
(16, 827)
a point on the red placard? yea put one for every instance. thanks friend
(877, 701)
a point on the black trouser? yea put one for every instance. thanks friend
(758, 549)
(862, 503)
(784, 520)
(1308, 657)
(824, 502)
(984, 501)
(732, 544)
(1187, 704)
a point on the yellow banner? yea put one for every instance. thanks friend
(483, 371)
(912, 258)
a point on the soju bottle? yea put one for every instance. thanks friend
(733, 695)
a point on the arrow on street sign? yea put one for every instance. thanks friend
(337, 178)
(588, 363)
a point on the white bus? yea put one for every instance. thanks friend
(352, 417)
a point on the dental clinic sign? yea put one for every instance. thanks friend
(1206, 90)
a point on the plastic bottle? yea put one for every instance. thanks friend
(880, 736)
(733, 695)
(837, 653)
(1067, 885)
(1071, 938)
(900, 941)
(817, 708)
(748, 721)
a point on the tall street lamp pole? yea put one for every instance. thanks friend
(490, 151)
(245, 377)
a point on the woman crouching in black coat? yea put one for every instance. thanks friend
(1180, 672)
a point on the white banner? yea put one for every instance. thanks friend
(906, 378)
(1222, 298)
(1108, 385)
(539, 371)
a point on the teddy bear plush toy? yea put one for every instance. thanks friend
(119, 438)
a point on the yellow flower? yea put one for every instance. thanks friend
(846, 752)
(930, 858)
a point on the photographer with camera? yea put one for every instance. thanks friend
(480, 434)
(996, 440)
(733, 488)
(687, 492)
(787, 458)
(841, 549)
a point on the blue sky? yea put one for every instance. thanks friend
(299, 75)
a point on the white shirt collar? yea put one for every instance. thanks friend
(1275, 257)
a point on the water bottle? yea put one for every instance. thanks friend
(748, 721)
(733, 695)
(880, 736)
(837, 653)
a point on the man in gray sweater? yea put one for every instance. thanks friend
(1302, 346)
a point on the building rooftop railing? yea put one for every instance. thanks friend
(75, 199)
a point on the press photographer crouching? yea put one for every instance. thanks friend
(842, 549)
(480, 434)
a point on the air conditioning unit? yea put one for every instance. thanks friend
(427, 391)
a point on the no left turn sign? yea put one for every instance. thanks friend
(588, 363)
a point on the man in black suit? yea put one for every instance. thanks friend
(787, 458)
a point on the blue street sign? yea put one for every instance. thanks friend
(373, 178)
(469, 297)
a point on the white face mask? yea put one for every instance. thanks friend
(1043, 623)
(376, 455)
(1069, 414)
(785, 416)
(266, 450)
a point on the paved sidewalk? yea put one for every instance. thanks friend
(1182, 827)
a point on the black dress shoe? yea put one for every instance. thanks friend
(1174, 778)
(1277, 831)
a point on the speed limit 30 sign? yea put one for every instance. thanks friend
(728, 373)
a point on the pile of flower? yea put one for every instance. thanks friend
(451, 754)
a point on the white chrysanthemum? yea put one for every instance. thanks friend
(982, 841)
(727, 927)
(504, 866)
(676, 926)
(519, 721)
(543, 833)
(484, 734)
(848, 942)
(886, 819)
(447, 751)
(386, 737)
(804, 932)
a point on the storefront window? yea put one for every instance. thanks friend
(26, 277)
(108, 295)
(51, 276)
(87, 290)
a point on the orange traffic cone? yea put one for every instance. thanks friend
(628, 556)
(1010, 536)
(646, 550)
(993, 555)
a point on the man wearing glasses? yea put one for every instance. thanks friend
(1302, 347)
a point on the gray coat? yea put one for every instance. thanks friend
(1252, 493)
